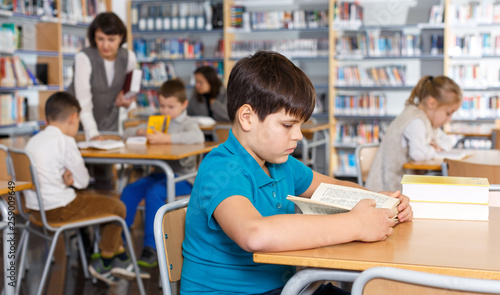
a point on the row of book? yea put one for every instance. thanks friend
(154, 74)
(372, 44)
(347, 13)
(70, 10)
(13, 109)
(479, 106)
(168, 48)
(148, 99)
(365, 104)
(278, 19)
(15, 73)
(359, 132)
(81, 10)
(390, 75)
(476, 44)
(475, 75)
(475, 12)
(292, 48)
(10, 37)
(176, 16)
(72, 43)
(68, 75)
(346, 163)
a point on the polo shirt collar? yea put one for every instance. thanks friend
(182, 116)
(276, 170)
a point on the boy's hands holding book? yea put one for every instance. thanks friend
(374, 224)
(404, 208)
(158, 137)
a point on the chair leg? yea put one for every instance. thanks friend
(67, 245)
(83, 256)
(22, 259)
(46, 268)
(140, 284)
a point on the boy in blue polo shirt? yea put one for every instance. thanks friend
(238, 204)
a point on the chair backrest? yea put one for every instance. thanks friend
(495, 139)
(365, 154)
(221, 132)
(169, 235)
(390, 280)
(25, 170)
(5, 165)
(468, 169)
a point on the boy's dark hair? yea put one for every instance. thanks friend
(269, 82)
(175, 88)
(110, 24)
(211, 75)
(60, 106)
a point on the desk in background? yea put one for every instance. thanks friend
(490, 157)
(457, 248)
(138, 154)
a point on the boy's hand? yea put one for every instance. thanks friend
(120, 100)
(141, 132)
(404, 208)
(373, 224)
(158, 137)
(68, 178)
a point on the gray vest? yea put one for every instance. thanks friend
(387, 168)
(103, 96)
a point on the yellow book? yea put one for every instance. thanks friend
(444, 180)
(159, 123)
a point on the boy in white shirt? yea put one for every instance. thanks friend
(61, 168)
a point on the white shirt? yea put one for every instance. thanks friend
(418, 148)
(53, 152)
(83, 70)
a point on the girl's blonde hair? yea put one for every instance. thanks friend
(442, 88)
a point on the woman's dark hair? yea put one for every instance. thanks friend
(110, 24)
(211, 75)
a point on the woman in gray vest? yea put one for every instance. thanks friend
(209, 95)
(100, 72)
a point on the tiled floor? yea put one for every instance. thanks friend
(66, 274)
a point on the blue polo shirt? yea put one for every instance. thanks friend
(213, 263)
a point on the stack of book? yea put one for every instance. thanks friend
(441, 197)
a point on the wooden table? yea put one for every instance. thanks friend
(449, 247)
(7, 226)
(479, 157)
(138, 154)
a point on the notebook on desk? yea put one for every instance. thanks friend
(454, 154)
(107, 144)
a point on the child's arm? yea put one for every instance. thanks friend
(283, 232)
(419, 148)
(67, 178)
(158, 137)
(74, 163)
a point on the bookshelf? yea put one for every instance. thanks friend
(380, 52)
(39, 37)
(172, 38)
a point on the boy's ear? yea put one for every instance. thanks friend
(246, 117)
(185, 104)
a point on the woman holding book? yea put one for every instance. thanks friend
(100, 72)
(415, 135)
(209, 95)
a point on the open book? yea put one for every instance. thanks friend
(107, 144)
(332, 199)
(454, 154)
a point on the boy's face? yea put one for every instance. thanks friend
(171, 106)
(274, 139)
